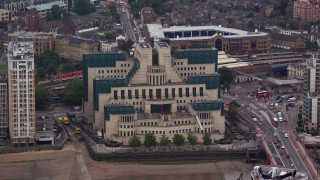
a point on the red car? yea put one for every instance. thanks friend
(287, 155)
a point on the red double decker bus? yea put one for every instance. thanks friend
(262, 94)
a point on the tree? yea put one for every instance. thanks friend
(72, 94)
(134, 141)
(149, 140)
(192, 139)
(68, 67)
(311, 45)
(251, 25)
(49, 16)
(178, 139)
(42, 98)
(232, 114)
(40, 73)
(51, 70)
(206, 139)
(164, 141)
(84, 7)
(225, 75)
(283, 7)
(125, 45)
(234, 104)
(250, 15)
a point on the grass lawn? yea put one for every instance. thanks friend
(3, 69)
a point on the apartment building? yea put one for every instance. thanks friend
(5, 15)
(311, 106)
(33, 21)
(41, 40)
(153, 93)
(307, 10)
(73, 47)
(21, 87)
(15, 5)
(4, 125)
(43, 9)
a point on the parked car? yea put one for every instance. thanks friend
(286, 135)
(278, 145)
(282, 147)
(287, 155)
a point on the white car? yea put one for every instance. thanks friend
(282, 147)
(275, 134)
(286, 135)
(254, 119)
(279, 113)
(280, 118)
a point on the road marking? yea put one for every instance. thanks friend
(278, 154)
(301, 159)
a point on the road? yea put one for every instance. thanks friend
(126, 21)
(264, 115)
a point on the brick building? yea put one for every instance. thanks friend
(307, 10)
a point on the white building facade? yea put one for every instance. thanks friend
(22, 119)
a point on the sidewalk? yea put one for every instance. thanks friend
(307, 161)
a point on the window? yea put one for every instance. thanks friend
(136, 93)
(122, 94)
(173, 92)
(180, 92)
(158, 93)
(115, 94)
(150, 94)
(143, 93)
(187, 92)
(129, 94)
(201, 91)
(194, 91)
(166, 93)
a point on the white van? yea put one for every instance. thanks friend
(292, 99)
(276, 105)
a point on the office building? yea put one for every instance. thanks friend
(41, 40)
(4, 125)
(311, 107)
(43, 9)
(153, 93)
(21, 87)
(224, 39)
(33, 20)
(15, 5)
(307, 10)
(73, 47)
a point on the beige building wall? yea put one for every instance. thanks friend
(120, 127)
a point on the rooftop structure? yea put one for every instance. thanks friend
(224, 39)
(47, 6)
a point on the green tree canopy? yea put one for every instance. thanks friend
(40, 73)
(164, 141)
(125, 45)
(84, 7)
(206, 139)
(134, 141)
(234, 104)
(192, 139)
(178, 139)
(51, 70)
(42, 98)
(311, 45)
(251, 25)
(68, 67)
(225, 75)
(149, 140)
(73, 92)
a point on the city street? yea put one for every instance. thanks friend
(126, 21)
(264, 115)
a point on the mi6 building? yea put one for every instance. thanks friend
(153, 93)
